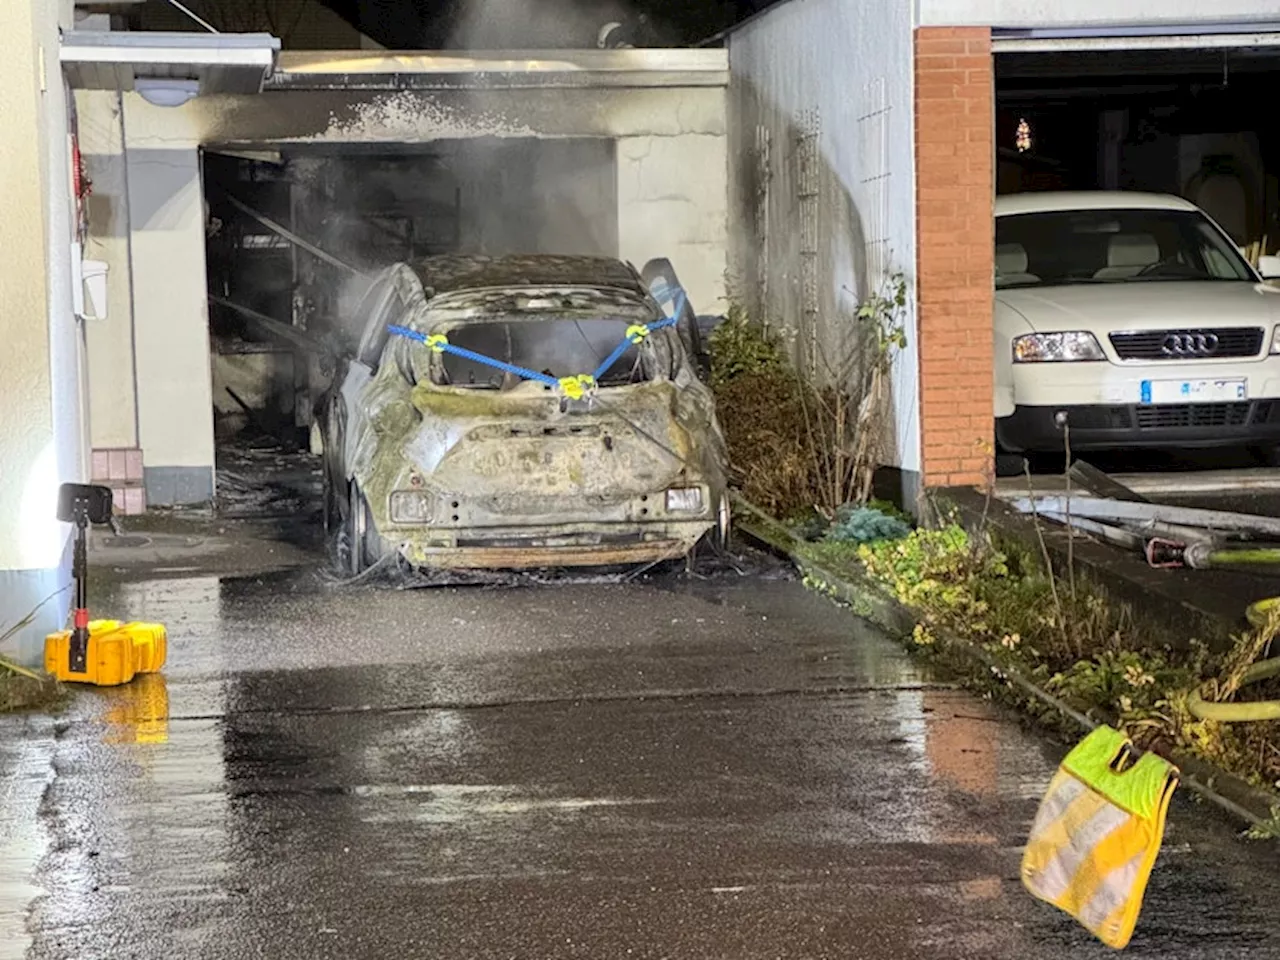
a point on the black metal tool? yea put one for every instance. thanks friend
(82, 504)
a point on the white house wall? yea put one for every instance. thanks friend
(821, 175)
(1077, 13)
(41, 418)
(170, 316)
(112, 399)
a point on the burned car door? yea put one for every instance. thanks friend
(665, 287)
(345, 418)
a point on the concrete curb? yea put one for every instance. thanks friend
(870, 601)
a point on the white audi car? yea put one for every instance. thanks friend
(1133, 319)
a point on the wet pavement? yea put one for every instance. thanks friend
(729, 767)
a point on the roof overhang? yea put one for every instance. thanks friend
(217, 62)
(498, 70)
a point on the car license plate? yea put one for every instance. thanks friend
(1194, 391)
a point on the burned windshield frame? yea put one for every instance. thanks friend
(640, 363)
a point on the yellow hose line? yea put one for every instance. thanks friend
(1257, 615)
(1258, 612)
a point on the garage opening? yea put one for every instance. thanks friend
(296, 232)
(1173, 114)
(1184, 121)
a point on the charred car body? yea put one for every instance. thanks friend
(439, 452)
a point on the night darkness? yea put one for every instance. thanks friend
(409, 24)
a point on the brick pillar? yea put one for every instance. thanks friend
(955, 188)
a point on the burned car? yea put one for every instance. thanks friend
(518, 412)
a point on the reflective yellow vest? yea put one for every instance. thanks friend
(1098, 832)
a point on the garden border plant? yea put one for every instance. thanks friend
(803, 445)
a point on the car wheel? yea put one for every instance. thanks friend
(1266, 455)
(357, 545)
(332, 512)
(1010, 465)
(723, 532)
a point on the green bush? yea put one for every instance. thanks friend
(740, 346)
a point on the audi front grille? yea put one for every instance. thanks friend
(1176, 416)
(1202, 344)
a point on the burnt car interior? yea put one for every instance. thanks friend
(555, 347)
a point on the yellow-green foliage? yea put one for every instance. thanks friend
(1076, 645)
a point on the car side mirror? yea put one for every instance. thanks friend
(1269, 267)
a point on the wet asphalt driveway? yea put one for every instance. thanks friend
(730, 768)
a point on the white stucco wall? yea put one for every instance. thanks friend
(1071, 13)
(40, 416)
(112, 409)
(673, 203)
(844, 71)
(170, 311)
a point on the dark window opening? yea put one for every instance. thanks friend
(1112, 246)
(554, 347)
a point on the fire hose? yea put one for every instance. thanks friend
(1174, 537)
(1258, 615)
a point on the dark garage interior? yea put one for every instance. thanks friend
(1187, 122)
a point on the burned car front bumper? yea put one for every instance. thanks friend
(434, 529)
(522, 548)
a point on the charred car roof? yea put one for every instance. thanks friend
(456, 273)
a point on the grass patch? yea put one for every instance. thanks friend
(1090, 653)
(18, 692)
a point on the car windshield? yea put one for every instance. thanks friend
(556, 347)
(1112, 246)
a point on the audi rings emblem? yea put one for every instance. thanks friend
(1190, 345)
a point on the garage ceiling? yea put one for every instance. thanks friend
(1209, 52)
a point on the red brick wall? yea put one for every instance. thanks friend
(955, 149)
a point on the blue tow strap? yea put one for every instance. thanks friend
(441, 345)
(575, 386)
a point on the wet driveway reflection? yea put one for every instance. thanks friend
(733, 768)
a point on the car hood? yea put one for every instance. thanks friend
(1144, 305)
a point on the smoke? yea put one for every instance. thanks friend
(544, 24)
(544, 195)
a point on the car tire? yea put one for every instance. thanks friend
(719, 536)
(357, 543)
(1010, 464)
(332, 511)
(1266, 455)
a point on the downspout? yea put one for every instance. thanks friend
(133, 335)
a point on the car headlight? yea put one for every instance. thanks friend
(684, 500)
(1275, 340)
(412, 506)
(1056, 347)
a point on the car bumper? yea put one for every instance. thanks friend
(1036, 429)
(1110, 383)
(531, 548)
